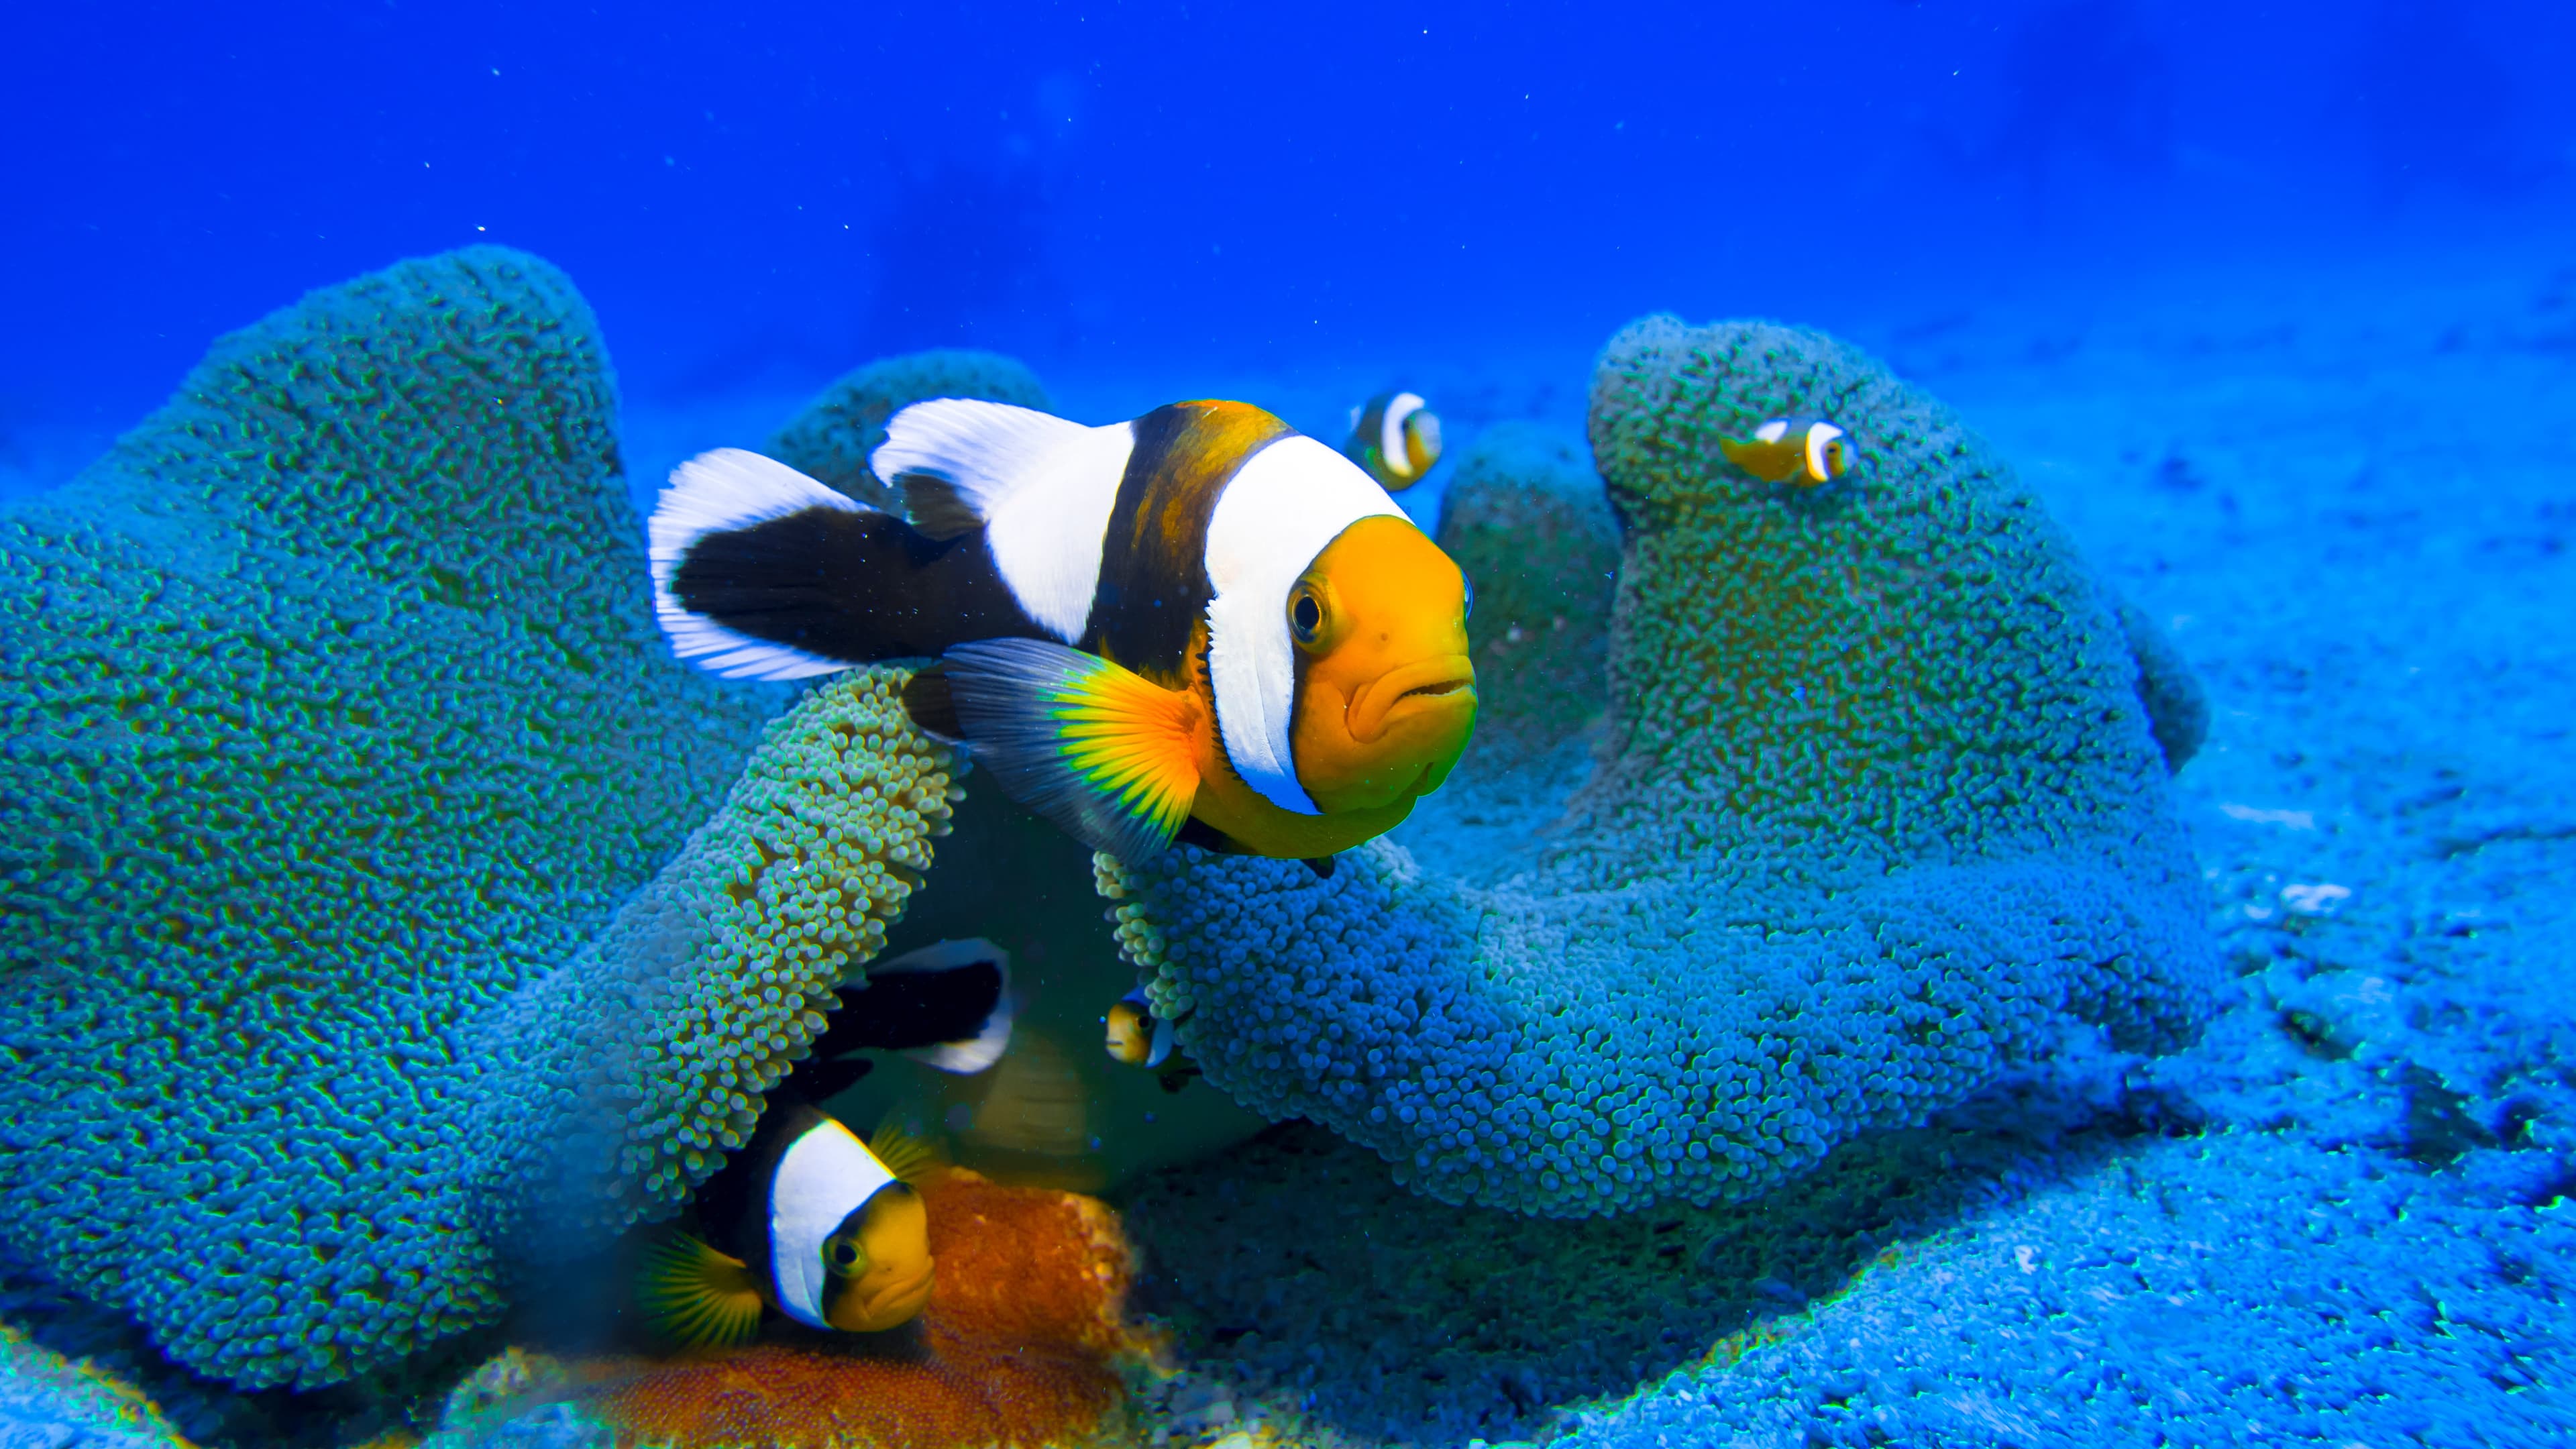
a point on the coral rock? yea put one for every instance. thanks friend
(1021, 1345)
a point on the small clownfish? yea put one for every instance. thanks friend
(1197, 625)
(823, 1228)
(1396, 438)
(947, 1005)
(814, 1223)
(1807, 450)
(1139, 1038)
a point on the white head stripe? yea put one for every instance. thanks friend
(1772, 431)
(1390, 434)
(1282, 507)
(1817, 436)
(821, 1177)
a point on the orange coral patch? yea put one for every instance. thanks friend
(1020, 1346)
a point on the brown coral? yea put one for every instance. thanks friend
(1020, 1346)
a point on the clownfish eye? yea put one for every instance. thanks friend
(842, 1256)
(1305, 614)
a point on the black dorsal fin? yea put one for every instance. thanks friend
(937, 507)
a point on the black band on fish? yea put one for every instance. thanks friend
(760, 572)
(1154, 586)
(848, 587)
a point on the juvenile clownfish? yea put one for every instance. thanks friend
(821, 1227)
(814, 1223)
(1199, 624)
(947, 1005)
(1396, 438)
(1807, 450)
(1139, 1038)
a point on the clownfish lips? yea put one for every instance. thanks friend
(894, 1303)
(1435, 687)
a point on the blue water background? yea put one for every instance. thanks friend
(1149, 199)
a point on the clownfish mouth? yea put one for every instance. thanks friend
(1432, 684)
(898, 1301)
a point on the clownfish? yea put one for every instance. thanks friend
(1396, 438)
(1199, 624)
(1807, 450)
(822, 1227)
(1139, 1038)
(947, 1005)
(814, 1223)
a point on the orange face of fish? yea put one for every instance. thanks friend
(1387, 695)
(880, 1263)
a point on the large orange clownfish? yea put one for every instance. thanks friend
(1200, 624)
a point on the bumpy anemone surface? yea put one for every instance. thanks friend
(1541, 623)
(333, 712)
(623, 1079)
(832, 438)
(1882, 815)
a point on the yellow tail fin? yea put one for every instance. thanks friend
(695, 1296)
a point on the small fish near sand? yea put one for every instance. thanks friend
(1396, 437)
(1805, 451)
(807, 1220)
(1197, 625)
(821, 1227)
(1136, 1037)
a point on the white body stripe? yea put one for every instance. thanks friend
(1817, 437)
(821, 1179)
(1390, 434)
(719, 492)
(1043, 485)
(1770, 432)
(1283, 506)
